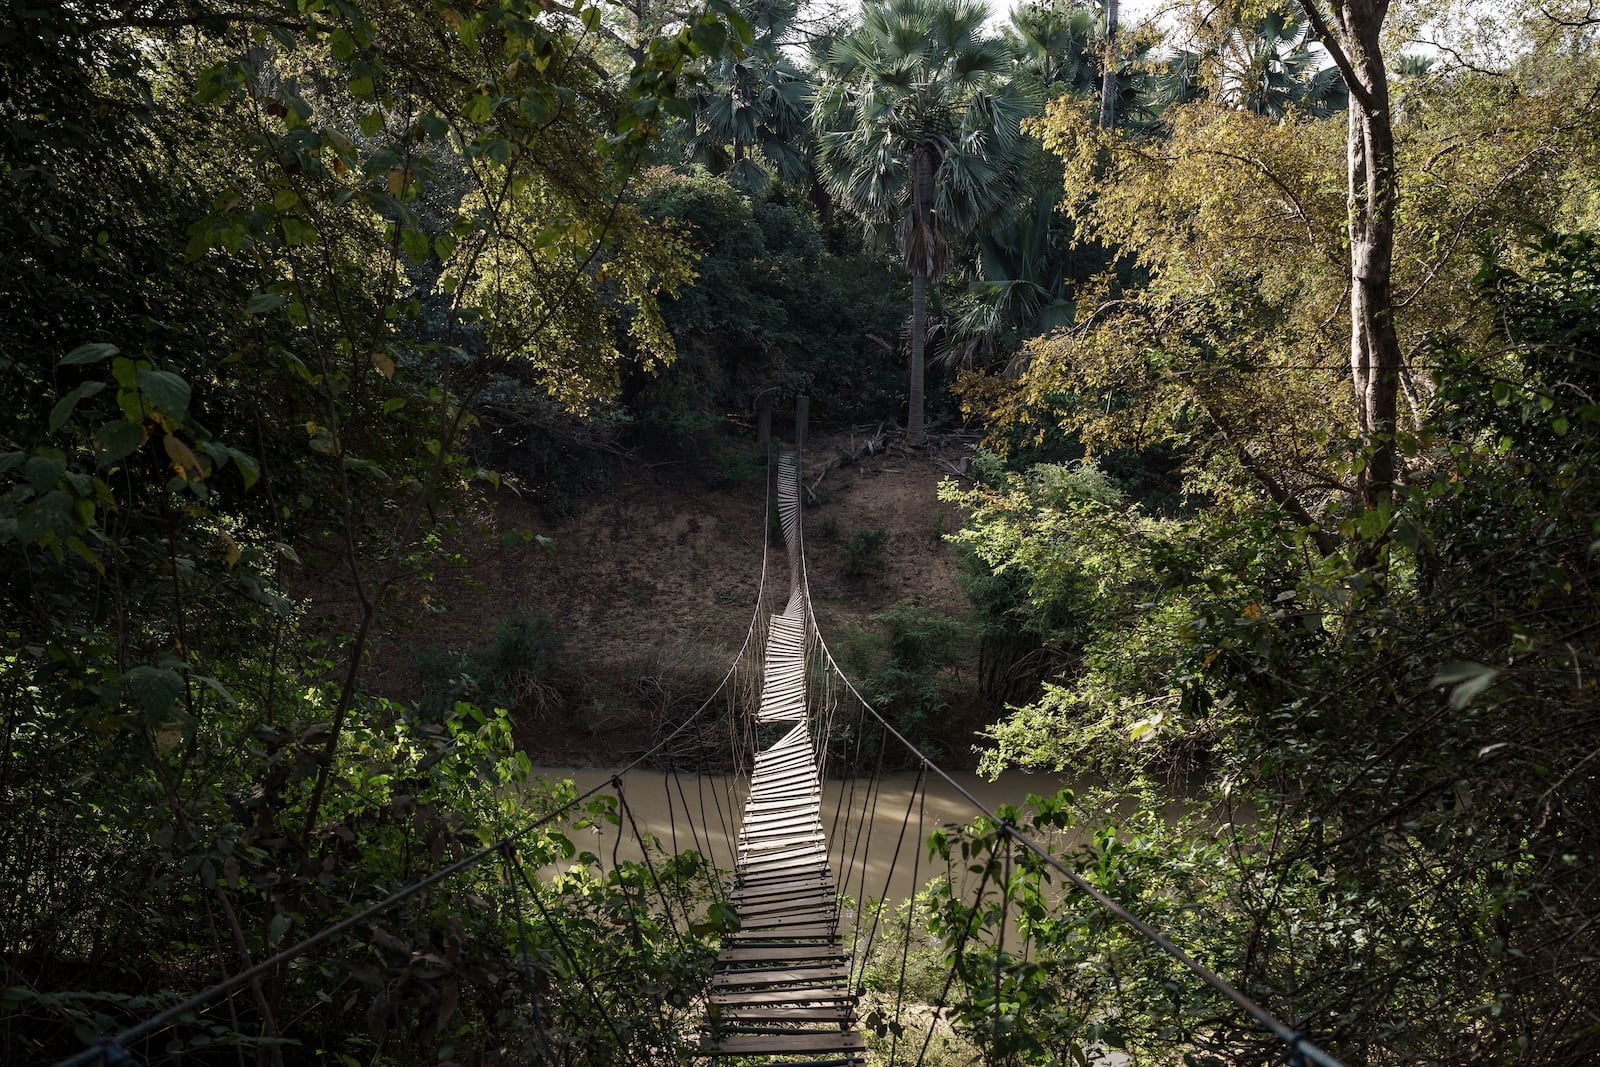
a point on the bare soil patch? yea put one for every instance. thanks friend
(653, 583)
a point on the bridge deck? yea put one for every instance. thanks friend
(782, 986)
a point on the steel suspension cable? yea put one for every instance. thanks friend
(1300, 1045)
(111, 1045)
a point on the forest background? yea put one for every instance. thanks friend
(1279, 326)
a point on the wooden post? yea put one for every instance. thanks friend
(764, 419)
(802, 407)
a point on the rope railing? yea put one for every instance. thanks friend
(1300, 1049)
(111, 1048)
(827, 689)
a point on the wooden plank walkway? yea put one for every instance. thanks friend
(782, 985)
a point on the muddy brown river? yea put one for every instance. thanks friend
(686, 811)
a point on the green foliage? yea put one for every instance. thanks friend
(909, 668)
(1398, 749)
(770, 308)
(517, 670)
(256, 268)
(863, 552)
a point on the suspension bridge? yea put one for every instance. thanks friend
(788, 978)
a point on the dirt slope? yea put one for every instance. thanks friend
(653, 582)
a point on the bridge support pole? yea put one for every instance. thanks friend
(802, 408)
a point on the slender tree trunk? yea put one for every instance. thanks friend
(919, 327)
(1352, 38)
(1108, 77)
(1374, 345)
(922, 256)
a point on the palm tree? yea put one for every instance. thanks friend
(1270, 67)
(1267, 68)
(751, 119)
(1055, 43)
(917, 128)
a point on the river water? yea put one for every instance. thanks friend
(879, 822)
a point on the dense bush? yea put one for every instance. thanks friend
(771, 309)
(1392, 744)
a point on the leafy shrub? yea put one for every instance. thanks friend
(909, 670)
(515, 670)
(770, 307)
(864, 552)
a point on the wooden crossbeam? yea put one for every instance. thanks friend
(785, 1044)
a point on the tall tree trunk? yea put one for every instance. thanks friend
(1108, 77)
(1352, 38)
(924, 258)
(919, 327)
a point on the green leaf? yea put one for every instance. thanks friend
(263, 303)
(393, 404)
(221, 690)
(93, 352)
(277, 928)
(249, 469)
(166, 390)
(415, 244)
(1467, 678)
(157, 689)
(64, 407)
(43, 472)
(117, 440)
(372, 122)
(11, 460)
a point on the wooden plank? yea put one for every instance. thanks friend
(752, 883)
(763, 812)
(844, 1015)
(796, 752)
(781, 953)
(820, 930)
(800, 824)
(815, 911)
(781, 870)
(772, 805)
(790, 802)
(793, 820)
(832, 996)
(806, 785)
(795, 757)
(804, 820)
(765, 844)
(741, 892)
(777, 923)
(784, 1044)
(776, 870)
(765, 792)
(796, 741)
(768, 776)
(770, 859)
(816, 895)
(774, 938)
(755, 889)
(820, 975)
(801, 781)
(767, 851)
